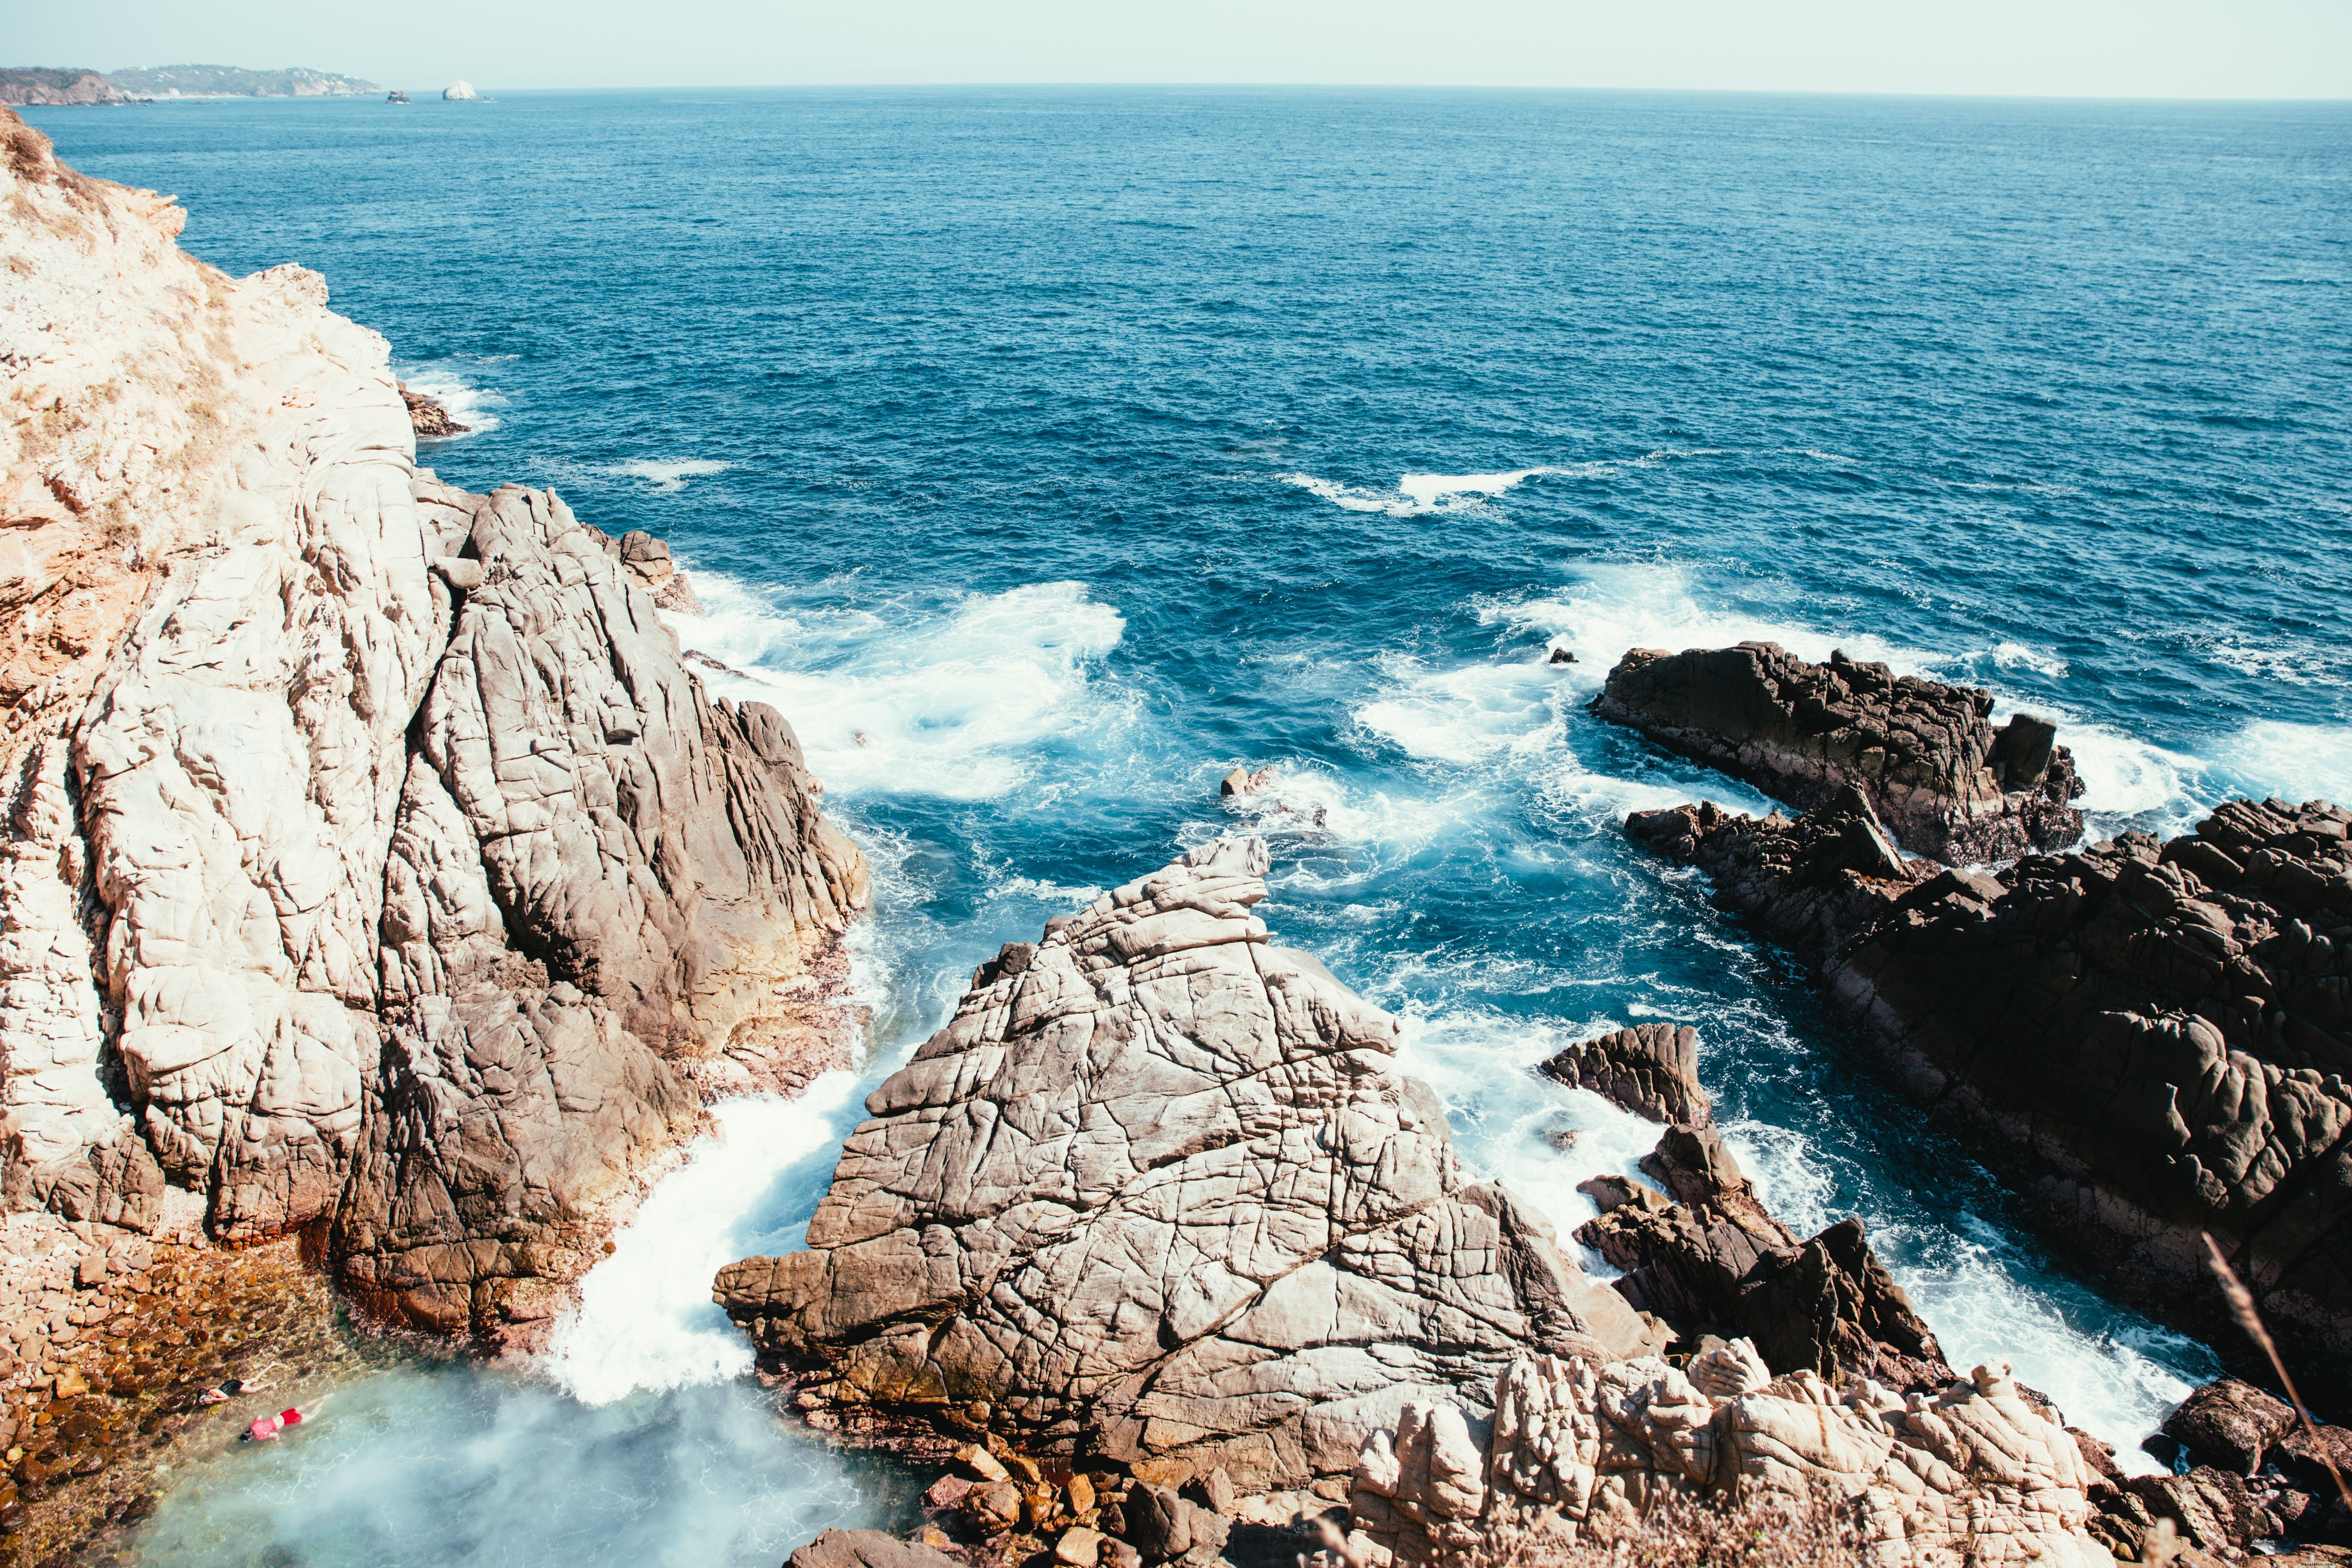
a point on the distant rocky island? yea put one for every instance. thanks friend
(51, 85)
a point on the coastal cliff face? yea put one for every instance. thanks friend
(1157, 1193)
(50, 87)
(1944, 781)
(2150, 1040)
(373, 863)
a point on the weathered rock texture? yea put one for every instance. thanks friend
(1158, 1190)
(1710, 1261)
(372, 860)
(1944, 781)
(2149, 1040)
(1578, 1452)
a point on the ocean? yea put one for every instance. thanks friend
(1045, 454)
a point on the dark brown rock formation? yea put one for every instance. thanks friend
(2149, 1040)
(1943, 779)
(428, 416)
(1651, 1070)
(2229, 1424)
(1157, 1193)
(1710, 1260)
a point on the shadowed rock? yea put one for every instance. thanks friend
(1710, 1260)
(1159, 1191)
(2146, 1040)
(1946, 783)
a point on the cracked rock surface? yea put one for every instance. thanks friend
(2146, 1039)
(373, 863)
(1946, 783)
(1576, 1452)
(1158, 1190)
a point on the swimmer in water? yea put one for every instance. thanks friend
(267, 1428)
(234, 1387)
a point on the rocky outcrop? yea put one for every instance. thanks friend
(1710, 1261)
(374, 864)
(1946, 783)
(2245, 1472)
(1576, 1452)
(868, 1549)
(1158, 1192)
(460, 92)
(429, 417)
(2148, 1039)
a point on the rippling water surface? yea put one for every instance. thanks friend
(1045, 454)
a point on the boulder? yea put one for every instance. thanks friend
(1159, 1193)
(460, 92)
(2229, 1424)
(429, 417)
(1651, 1070)
(1944, 780)
(868, 1549)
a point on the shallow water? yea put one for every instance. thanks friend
(1045, 454)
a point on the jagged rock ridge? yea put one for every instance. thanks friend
(2150, 1040)
(1943, 779)
(1710, 1260)
(373, 862)
(1577, 1453)
(1159, 1191)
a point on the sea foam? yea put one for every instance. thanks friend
(645, 1320)
(961, 699)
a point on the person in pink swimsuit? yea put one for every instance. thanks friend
(267, 1428)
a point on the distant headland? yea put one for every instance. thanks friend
(49, 85)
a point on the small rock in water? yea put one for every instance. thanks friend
(1241, 780)
(1562, 656)
(460, 92)
(427, 416)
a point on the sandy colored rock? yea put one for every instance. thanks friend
(1578, 1451)
(1159, 1191)
(1945, 781)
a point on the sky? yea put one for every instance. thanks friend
(2128, 48)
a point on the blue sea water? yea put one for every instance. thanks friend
(1045, 454)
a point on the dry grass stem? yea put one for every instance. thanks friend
(2241, 1307)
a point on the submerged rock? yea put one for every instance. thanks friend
(2147, 1040)
(1157, 1193)
(1944, 781)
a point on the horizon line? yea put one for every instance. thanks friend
(1983, 96)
